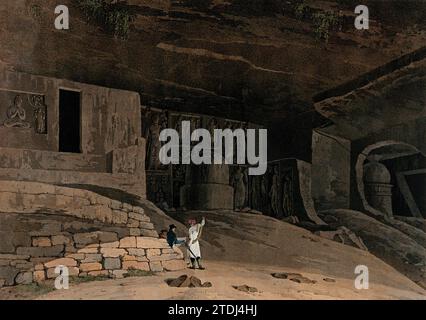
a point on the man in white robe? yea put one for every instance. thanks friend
(194, 252)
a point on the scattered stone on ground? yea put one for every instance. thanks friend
(186, 281)
(329, 280)
(246, 288)
(295, 277)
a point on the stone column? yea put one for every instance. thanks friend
(378, 190)
(207, 188)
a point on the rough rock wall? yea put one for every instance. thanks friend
(249, 58)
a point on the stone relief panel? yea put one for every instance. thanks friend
(287, 175)
(158, 176)
(177, 118)
(179, 171)
(23, 110)
(40, 113)
(159, 189)
(178, 178)
(273, 193)
(155, 120)
(259, 193)
(122, 119)
(239, 180)
(128, 160)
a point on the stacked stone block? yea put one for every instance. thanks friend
(42, 226)
(113, 259)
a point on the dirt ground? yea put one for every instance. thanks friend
(244, 249)
(223, 276)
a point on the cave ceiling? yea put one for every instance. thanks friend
(259, 61)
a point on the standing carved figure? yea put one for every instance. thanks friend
(164, 120)
(154, 144)
(288, 195)
(178, 124)
(212, 126)
(39, 114)
(255, 193)
(264, 194)
(195, 123)
(239, 184)
(274, 193)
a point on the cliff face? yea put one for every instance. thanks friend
(254, 60)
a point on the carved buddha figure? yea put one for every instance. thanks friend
(16, 116)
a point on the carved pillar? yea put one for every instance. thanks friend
(207, 188)
(378, 190)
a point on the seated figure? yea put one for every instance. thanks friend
(16, 116)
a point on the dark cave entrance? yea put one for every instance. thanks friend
(69, 121)
(409, 177)
(397, 172)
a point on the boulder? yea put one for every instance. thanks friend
(386, 242)
(24, 278)
(186, 281)
(295, 277)
(8, 274)
(246, 288)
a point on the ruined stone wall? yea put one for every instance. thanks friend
(91, 234)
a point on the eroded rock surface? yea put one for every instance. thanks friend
(404, 252)
(224, 56)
